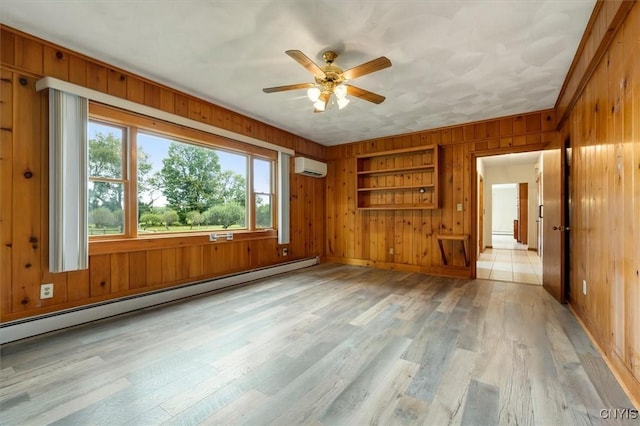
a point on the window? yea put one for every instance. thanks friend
(107, 178)
(185, 187)
(185, 180)
(263, 192)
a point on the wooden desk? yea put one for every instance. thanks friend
(453, 237)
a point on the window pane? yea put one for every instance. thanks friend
(105, 150)
(264, 215)
(106, 208)
(262, 176)
(184, 187)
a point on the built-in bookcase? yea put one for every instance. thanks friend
(400, 179)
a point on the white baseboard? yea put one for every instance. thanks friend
(28, 327)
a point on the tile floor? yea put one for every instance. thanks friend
(509, 261)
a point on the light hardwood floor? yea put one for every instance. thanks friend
(327, 345)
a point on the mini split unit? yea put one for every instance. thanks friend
(309, 167)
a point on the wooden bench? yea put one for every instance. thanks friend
(453, 237)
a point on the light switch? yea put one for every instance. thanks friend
(459, 207)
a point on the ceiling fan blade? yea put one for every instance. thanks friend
(324, 97)
(304, 60)
(288, 87)
(364, 94)
(367, 68)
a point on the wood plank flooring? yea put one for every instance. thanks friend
(327, 345)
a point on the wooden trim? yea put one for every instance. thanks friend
(8, 317)
(251, 197)
(162, 241)
(447, 272)
(425, 206)
(127, 119)
(473, 249)
(398, 151)
(550, 113)
(398, 182)
(132, 122)
(104, 98)
(622, 374)
(387, 188)
(131, 186)
(394, 170)
(586, 60)
(579, 51)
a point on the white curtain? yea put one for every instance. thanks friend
(68, 180)
(283, 198)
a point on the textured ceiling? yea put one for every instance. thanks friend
(453, 61)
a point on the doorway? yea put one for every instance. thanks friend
(508, 249)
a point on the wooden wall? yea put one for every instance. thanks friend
(604, 128)
(133, 266)
(365, 237)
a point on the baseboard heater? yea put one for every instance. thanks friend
(33, 326)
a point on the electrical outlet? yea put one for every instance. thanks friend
(391, 250)
(584, 287)
(459, 207)
(46, 291)
(285, 251)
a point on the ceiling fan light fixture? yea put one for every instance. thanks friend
(342, 102)
(330, 80)
(340, 91)
(319, 105)
(313, 94)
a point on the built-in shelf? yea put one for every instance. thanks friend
(398, 207)
(396, 170)
(401, 179)
(389, 188)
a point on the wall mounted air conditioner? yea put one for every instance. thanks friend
(309, 167)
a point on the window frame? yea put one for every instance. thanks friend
(271, 194)
(124, 180)
(133, 123)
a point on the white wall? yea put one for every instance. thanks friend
(512, 174)
(505, 196)
(480, 170)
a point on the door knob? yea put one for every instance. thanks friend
(560, 228)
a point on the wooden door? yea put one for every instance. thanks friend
(539, 203)
(481, 215)
(554, 221)
(523, 213)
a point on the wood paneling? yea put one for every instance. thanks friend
(406, 239)
(606, 19)
(604, 127)
(124, 268)
(26, 189)
(6, 194)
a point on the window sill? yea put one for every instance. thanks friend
(152, 242)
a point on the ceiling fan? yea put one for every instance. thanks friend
(331, 79)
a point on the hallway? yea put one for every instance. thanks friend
(509, 261)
